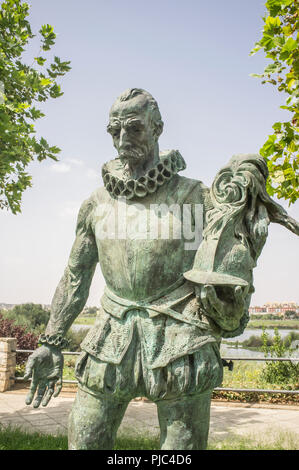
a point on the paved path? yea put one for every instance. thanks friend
(226, 418)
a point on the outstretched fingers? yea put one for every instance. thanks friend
(29, 368)
(239, 296)
(210, 299)
(58, 387)
(42, 387)
(49, 393)
(32, 390)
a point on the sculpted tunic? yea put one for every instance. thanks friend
(147, 304)
(148, 338)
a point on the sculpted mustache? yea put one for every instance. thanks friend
(131, 153)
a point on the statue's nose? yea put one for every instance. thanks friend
(124, 139)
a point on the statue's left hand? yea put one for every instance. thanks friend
(226, 313)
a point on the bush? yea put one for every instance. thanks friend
(282, 372)
(33, 316)
(25, 339)
(254, 342)
(75, 338)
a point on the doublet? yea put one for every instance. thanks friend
(145, 288)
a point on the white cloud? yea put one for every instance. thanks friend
(70, 209)
(60, 167)
(75, 161)
(92, 174)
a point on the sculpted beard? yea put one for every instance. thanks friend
(134, 156)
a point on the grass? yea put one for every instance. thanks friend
(245, 374)
(271, 440)
(84, 320)
(292, 324)
(249, 375)
(16, 439)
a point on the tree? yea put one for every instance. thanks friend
(278, 372)
(280, 42)
(22, 87)
(31, 315)
(290, 314)
(25, 338)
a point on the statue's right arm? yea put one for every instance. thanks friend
(73, 289)
(45, 365)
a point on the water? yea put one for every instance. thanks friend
(80, 327)
(246, 335)
(226, 350)
(258, 332)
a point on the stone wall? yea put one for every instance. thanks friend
(8, 348)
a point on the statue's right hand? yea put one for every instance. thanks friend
(45, 366)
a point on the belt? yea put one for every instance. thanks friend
(173, 295)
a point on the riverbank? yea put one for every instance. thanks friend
(255, 324)
(280, 324)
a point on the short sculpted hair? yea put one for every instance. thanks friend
(152, 103)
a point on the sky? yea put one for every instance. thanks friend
(193, 57)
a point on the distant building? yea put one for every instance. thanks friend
(279, 308)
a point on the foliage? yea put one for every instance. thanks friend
(282, 372)
(75, 338)
(87, 320)
(280, 42)
(264, 316)
(25, 339)
(291, 314)
(33, 316)
(255, 342)
(90, 311)
(281, 324)
(22, 87)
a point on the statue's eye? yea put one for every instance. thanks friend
(114, 131)
(135, 129)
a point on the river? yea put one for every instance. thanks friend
(227, 351)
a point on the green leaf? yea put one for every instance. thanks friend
(269, 146)
(290, 45)
(272, 23)
(40, 60)
(45, 82)
(278, 176)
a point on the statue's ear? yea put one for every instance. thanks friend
(158, 129)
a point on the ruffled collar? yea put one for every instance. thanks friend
(171, 162)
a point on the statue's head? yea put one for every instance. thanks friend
(135, 125)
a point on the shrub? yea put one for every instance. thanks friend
(33, 316)
(25, 339)
(282, 372)
(75, 338)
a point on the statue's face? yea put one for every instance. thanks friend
(132, 130)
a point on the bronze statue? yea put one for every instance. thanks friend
(167, 302)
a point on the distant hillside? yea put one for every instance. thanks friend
(10, 306)
(6, 306)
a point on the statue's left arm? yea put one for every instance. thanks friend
(235, 233)
(228, 307)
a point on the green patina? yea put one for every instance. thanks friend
(168, 301)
